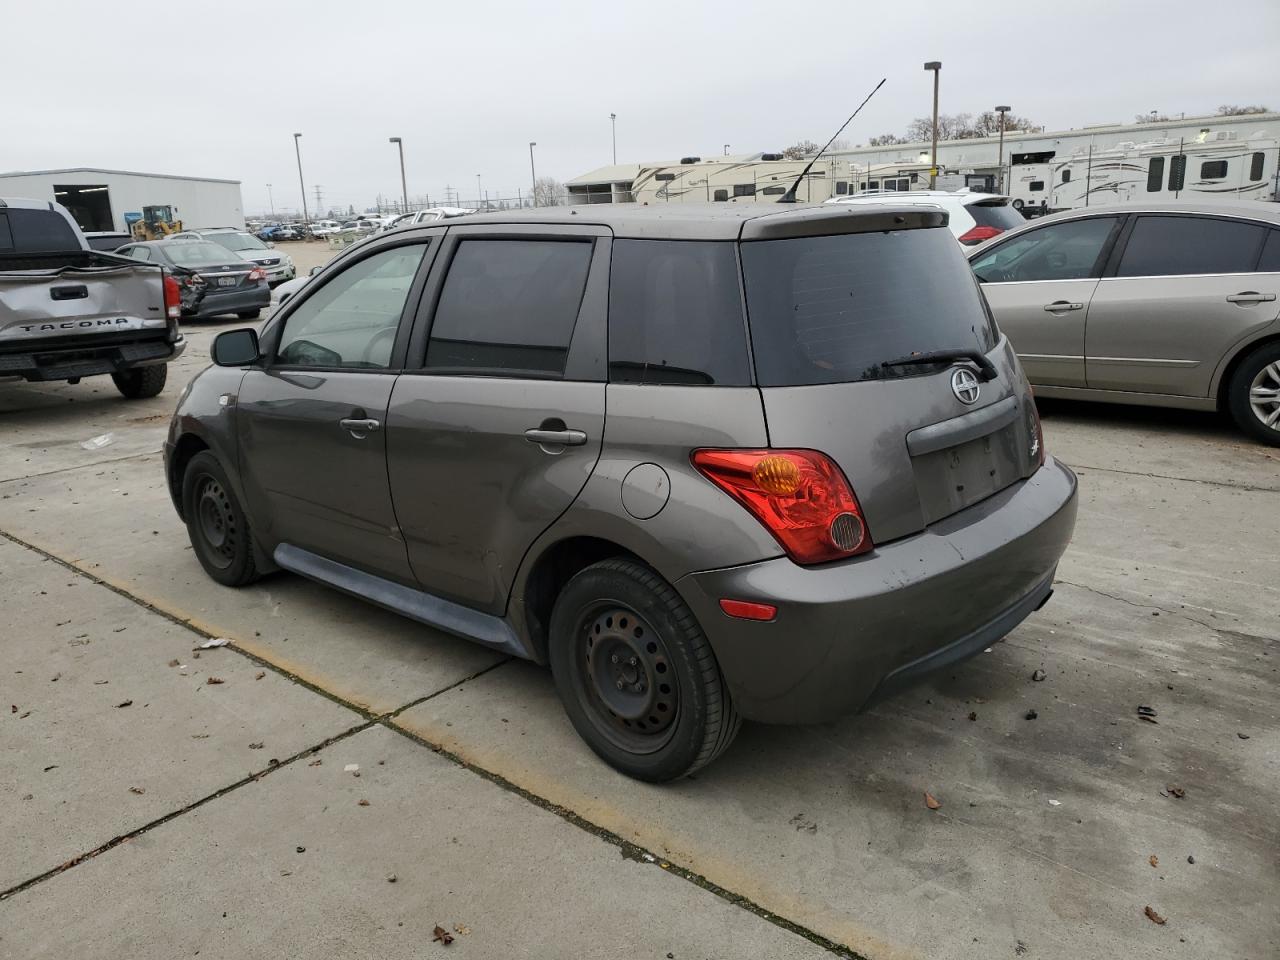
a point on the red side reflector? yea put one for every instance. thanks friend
(744, 610)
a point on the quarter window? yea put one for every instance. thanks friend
(1270, 260)
(1213, 170)
(352, 320)
(675, 314)
(1177, 246)
(1063, 251)
(508, 307)
(1255, 166)
(1155, 174)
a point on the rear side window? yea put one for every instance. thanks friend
(999, 215)
(675, 314)
(508, 307)
(1177, 246)
(833, 309)
(36, 231)
(1270, 262)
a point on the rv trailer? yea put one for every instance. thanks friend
(1222, 167)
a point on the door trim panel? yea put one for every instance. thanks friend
(482, 628)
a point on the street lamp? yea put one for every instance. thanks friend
(533, 173)
(613, 122)
(301, 183)
(271, 201)
(936, 67)
(1000, 162)
(404, 189)
(726, 149)
(479, 193)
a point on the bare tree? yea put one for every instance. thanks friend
(886, 140)
(1236, 110)
(1153, 117)
(547, 192)
(800, 150)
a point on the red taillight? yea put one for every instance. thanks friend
(800, 496)
(172, 297)
(256, 274)
(978, 234)
(746, 610)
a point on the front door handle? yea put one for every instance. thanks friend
(564, 438)
(1059, 306)
(359, 427)
(1250, 296)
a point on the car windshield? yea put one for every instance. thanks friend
(197, 253)
(237, 241)
(835, 309)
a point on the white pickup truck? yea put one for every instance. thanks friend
(67, 311)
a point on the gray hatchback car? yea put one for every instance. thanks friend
(1162, 304)
(736, 462)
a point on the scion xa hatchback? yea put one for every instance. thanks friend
(707, 465)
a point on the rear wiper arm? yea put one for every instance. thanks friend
(942, 356)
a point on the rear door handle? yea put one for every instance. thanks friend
(1250, 297)
(565, 438)
(1059, 306)
(359, 427)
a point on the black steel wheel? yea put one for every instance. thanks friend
(216, 524)
(636, 674)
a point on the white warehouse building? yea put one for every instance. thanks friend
(113, 199)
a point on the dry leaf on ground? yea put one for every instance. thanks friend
(931, 801)
(1153, 860)
(445, 937)
(1153, 916)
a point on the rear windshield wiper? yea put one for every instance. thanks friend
(945, 356)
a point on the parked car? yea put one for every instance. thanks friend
(278, 266)
(230, 284)
(283, 293)
(430, 215)
(974, 217)
(325, 228)
(358, 226)
(267, 233)
(782, 530)
(289, 231)
(1163, 304)
(68, 312)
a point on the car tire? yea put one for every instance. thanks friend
(1018, 204)
(216, 523)
(1253, 394)
(636, 674)
(249, 314)
(141, 382)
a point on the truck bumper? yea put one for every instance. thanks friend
(850, 632)
(85, 359)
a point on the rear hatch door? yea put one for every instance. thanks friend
(918, 442)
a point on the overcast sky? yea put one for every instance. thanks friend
(217, 89)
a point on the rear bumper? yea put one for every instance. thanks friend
(850, 632)
(235, 301)
(87, 359)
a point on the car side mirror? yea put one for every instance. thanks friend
(235, 348)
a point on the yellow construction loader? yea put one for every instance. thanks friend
(156, 224)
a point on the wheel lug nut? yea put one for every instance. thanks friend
(619, 684)
(633, 661)
(614, 658)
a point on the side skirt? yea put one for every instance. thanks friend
(482, 628)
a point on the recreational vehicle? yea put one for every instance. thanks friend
(765, 178)
(1223, 168)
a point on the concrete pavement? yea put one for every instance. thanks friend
(1167, 598)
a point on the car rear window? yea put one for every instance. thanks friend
(833, 309)
(675, 314)
(36, 231)
(1002, 216)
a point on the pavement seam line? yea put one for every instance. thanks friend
(1212, 627)
(81, 466)
(174, 814)
(629, 850)
(1250, 488)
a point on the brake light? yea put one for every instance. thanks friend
(800, 496)
(256, 274)
(172, 297)
(978, 234)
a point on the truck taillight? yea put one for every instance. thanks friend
(172, 297)
(800, 496)
(978, 234)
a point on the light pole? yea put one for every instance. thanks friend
(533, 174)
(301, 183)
(271, 201)
(936, 67)
(1000, 162)
(726, 149)
(479, 192)
(404, 189)
(613, 122)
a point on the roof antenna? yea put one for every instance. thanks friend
(790, 195)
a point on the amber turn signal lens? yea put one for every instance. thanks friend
(776, 475)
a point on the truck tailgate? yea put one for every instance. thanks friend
(98, 294)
